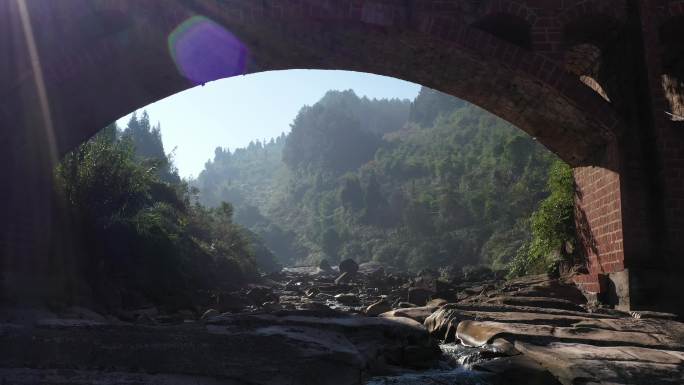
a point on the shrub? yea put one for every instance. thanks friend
(552, 226)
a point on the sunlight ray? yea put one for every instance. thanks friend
(39, 81)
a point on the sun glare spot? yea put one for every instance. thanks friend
(204, 51)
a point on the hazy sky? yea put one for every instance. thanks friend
(232, 112)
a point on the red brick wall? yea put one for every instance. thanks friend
(598, 215)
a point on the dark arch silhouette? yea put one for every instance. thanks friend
(113, 57)
(73, 66)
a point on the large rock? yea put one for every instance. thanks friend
(479, 333)
(492, 307)
(344, 278)
(324, 265)
(403, 305)
(260, 294)
(378, 308)
(283, 348)
(419, 296)
(349, 266)
(372, 268)
(516, 370)
(575, 363)
(347, 298)
(545, 286)
(545, 302)
(443, 322)
(418, 314)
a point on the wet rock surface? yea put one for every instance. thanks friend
(378, 326)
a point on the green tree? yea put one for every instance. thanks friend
(351, 195)
(141, 239)
(148, 146)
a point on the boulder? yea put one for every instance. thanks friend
(372, 268)
(378, 308)
(517, 370)
(260, 294)
(324, 265)
(437, 302)
(349, 266)
(418, 314)
(419, 296)
(347, 299)
(312, 292)
(404, 305)
(545, 286)
(344, 278)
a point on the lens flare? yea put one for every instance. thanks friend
(204, 51)
(39, 81)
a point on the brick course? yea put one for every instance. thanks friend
(599, 217)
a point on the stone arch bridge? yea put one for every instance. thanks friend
(599, 82)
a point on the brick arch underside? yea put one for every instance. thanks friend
(91, 82)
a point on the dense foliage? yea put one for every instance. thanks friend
(553, 226)
(420, 184)
(141, 237)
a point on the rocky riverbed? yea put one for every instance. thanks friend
(352, 325)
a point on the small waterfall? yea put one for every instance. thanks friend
(455, 367)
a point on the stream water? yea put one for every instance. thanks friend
(455, 367)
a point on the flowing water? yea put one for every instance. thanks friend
(455, 367)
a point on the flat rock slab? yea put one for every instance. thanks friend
(285, 348)
(517, 370)
(650, 325)
(418, 314)
(491, 307)
(542, 302)
(581, 363)
(24, 376)
(443, 323)
(545, 286)
(479, 333)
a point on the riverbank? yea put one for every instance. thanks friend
(354, 325)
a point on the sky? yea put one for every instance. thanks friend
(232, 112)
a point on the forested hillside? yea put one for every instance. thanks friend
(427, 183)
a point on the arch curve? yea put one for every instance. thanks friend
(91, 83)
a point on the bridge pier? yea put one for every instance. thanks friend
(26, 226)
(630, 212)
